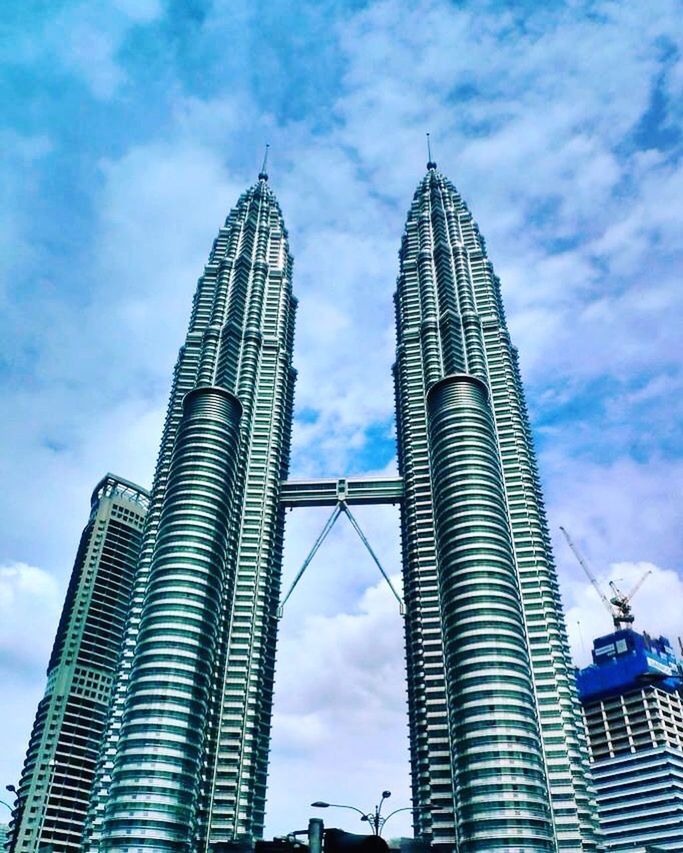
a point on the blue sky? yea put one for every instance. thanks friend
(130, 127)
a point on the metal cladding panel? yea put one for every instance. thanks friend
(495, 739)
(237, 759)
(640, 800)
(450, 320)
(352, 490)
(156, 778)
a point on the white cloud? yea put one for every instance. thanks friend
(19, 579)
(21, 152)
(164, 204)
(84, 38)
(621, 517)
(340, 726)
(624, 511)
(30, 602)
(340, 723)
(29, 597)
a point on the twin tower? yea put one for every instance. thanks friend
(497, 748)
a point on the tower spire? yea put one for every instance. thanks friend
(263, 175)
(430, 163)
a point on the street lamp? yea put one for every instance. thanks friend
(374, 818)
(319, 804)
(17, 813)
(396, 811)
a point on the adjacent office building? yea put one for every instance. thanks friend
(60, 763)
(633, 705)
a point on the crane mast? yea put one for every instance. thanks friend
(619, 605)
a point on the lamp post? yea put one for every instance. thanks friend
(374, 818)
(319, 804)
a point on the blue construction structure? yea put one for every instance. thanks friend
(626, 659)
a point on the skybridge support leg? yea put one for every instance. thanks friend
(365, 542)
(329, 524)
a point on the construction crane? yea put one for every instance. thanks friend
(619, 605)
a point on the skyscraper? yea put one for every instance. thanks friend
(498, 756)
(632, 697)
(495, 726)
(186, 759)
(60, 762)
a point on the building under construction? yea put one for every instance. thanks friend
(633, 707)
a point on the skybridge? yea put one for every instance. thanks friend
(350, 490)
(339, 494)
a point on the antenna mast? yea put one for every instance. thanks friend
(263, 174)
(430, 163)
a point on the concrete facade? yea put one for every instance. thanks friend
(67, 733)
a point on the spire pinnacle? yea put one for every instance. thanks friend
(430, 163)
(263, 175)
